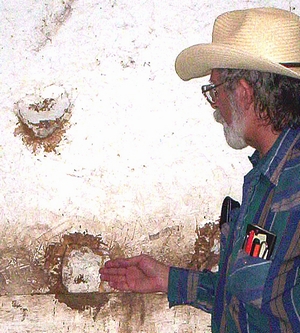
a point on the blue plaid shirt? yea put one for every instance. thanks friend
(250, 294)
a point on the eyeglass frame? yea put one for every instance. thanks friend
(207, 88)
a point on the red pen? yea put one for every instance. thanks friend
(255, 248)
(249, 242)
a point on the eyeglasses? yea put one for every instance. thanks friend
(210, 92)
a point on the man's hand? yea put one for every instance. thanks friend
(138, 274)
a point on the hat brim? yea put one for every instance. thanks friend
(198, 61)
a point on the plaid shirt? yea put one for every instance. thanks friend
(250, 294)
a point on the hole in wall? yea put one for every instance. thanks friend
(72, 266)
(43, 118)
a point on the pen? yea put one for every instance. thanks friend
(263, 250)
(255, 248)
(249, 242)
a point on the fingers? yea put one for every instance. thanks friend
(121, 273)
(113, 267)
(113, 270)
(116, 278)
(108, 274)
(121, 262)
(139, 274)
(117, 263)
(117, 283)
(113, 278)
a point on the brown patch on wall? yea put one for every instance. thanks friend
(27, 271)
(136, 311)
(48, 144)
(55, 254)
(131, 308)
(20, 273)
(205, 255)
(84, 301)
(55, 257)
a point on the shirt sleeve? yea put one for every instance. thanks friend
(192, 288)
(198, 288)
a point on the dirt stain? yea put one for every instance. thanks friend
(84, 301)
(206, 256)
(48, 144)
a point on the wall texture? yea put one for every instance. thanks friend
(141, 161)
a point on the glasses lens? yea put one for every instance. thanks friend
(210, 92)
(212, 95)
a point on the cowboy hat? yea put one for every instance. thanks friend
(263, 39)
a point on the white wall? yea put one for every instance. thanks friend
(143, 152)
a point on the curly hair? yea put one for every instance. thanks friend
(276, 97)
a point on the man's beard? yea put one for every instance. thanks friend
(234, 133)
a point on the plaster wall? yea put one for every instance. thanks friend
(142, 161)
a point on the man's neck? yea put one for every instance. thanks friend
(264, 139)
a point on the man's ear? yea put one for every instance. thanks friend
(245, 92)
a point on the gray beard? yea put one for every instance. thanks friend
(234, 133)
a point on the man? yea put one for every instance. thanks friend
(254, 63)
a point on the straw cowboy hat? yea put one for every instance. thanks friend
(263, 39)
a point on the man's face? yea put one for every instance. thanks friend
(229, 114)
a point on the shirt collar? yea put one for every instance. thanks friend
(269, 164)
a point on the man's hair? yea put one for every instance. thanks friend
(276, 97)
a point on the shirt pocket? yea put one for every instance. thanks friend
(247, 278)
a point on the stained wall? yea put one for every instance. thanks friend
(141, 161)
